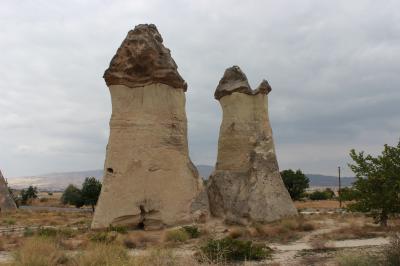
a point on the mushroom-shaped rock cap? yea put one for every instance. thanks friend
(142, 59)
(234, 80)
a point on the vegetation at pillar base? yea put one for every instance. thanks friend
(229, 249)
(295, 182)
(28, 194)
(88, 195)
(377, 185)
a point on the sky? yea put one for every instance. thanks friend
(334, 68)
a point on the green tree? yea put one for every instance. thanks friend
(72, 195)
(295, 182)
(91, 191)
(377, 185)
(322, 195)
(28, 194)
(347, 194)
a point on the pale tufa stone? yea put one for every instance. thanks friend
(246, 185)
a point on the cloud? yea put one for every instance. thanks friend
(332, 66)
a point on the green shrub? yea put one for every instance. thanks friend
(28, 232)
(66, 232)
(118, 229)
(320, 195)
(229, 249)
(192, 230)
(177, 235)
(9, 221)
(103, 237)
(47, 232)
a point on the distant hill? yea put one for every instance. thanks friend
(328, 181)
(59, 181)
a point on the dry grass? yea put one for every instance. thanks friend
(318, 204)
(236, 232)
(360, 231)
(39, 252)
(139, 239)
(103, 254)
(283, 231)
(177, 235)
(45, 218)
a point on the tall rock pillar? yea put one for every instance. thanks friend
(149, 179)
(246, 185)
(7, 203)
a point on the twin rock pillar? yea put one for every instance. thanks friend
(246, 185)
(149, 181)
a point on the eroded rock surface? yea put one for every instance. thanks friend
(246, 185)
(6, 201)
(142, 60)
(149, 180)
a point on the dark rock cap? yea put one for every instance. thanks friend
(142, 59)
(234, 80)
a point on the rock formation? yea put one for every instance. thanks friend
(246, 185)
(6, 201)
(149, 179)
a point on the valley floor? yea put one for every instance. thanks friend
(320, 236)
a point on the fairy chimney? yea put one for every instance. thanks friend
(246, 185)
(7, 203)
(149, 179)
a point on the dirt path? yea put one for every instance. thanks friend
(5, 257)
(286, 254)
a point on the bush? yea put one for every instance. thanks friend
(28, 232)
(229, 249)
(47, 232)
(177, 235)
(192, 230)
(392, 252)
(347, 194)
(103, 237)
(28, 194)
(9, 221)
(118, 228)
(321, 195)
(72, 195)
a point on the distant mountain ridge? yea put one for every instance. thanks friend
(60, 180)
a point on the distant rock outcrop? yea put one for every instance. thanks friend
(149, 179)
(246, 185)
(6, 201)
